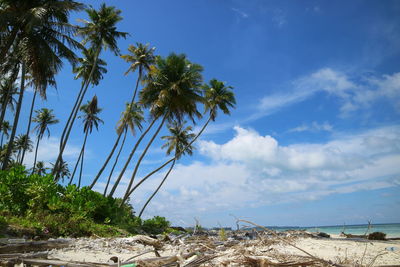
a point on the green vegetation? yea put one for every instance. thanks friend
(44, 208)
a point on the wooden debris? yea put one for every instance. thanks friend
(34, 246)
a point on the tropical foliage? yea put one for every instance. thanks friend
(36, 38)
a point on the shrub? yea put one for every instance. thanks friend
(377, 236)
(156, 225)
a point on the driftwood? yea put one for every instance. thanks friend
(146, 240)
(33, 246)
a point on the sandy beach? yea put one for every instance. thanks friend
(236, 253)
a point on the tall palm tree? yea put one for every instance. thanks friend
(44, 118)
(172, 92)
(178, 142)
(131, 118)
(8, 89)
(63, 171)
(218, 96)
(22, 142)
(20, 17)
(5, 127)
(101, 33)
(141, 58)
(42, 40)
(90, 119)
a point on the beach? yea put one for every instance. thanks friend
(233, 252)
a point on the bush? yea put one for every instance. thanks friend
(377, 236)
(47, 208)
(156, 225)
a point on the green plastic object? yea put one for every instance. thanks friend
(129, 265)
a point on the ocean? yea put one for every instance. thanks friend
(391, 230)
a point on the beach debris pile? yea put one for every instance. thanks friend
(202, 248)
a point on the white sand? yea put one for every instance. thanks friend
(336, 250)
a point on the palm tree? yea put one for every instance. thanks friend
(178, 141)
(62, 172)
(90, 119)
(21, 142)
(41, 37)
(44, 118)
(40, 168)
(172, 92)
(132, 117)
(217, 96)
(21, 17)
(7, 91)
(5, 127)
(141, 58)
(100, 32)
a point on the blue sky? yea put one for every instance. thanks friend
(315, 137)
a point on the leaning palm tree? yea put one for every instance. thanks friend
(141, 58)
(178, 142)
(131, 118)
(41, 37)
(44, 118)
(8, 89)
(172, 92)
(21, 17)
(90, 119)
(218, 96)
(5, 128)
(101, 33)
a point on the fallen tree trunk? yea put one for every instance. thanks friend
(33, 246)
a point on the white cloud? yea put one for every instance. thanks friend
(353, 95)
(240, 12)
(253, 170)
(313, 127)
(48, 151)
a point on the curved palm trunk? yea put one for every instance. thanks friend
(106, 162)
(16, 118)
(170, 160)
(83, 156)
(2, 137)
(76, 166)
(130, 157)
(29, 127)
(141, 158)
(8, 43)
(116, 161)
(36, 151)
(73, 117)
(136, 87)
(158, 188)
(4, 108)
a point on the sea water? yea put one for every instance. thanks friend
(391, 230)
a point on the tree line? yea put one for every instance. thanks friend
(36, 39)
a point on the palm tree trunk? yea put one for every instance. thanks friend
(116, 161)
(76, 166)
(36, 151)
(137, 85)
(141, 158)
(130, 157)
(169, 161)
(64, 143)
(29, 127)
(8, 43)
(83, 156)
(8, 95)
(16, 118)
(106, 162)
(158, 188)
(2, 137)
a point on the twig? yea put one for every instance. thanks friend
(290, 244)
